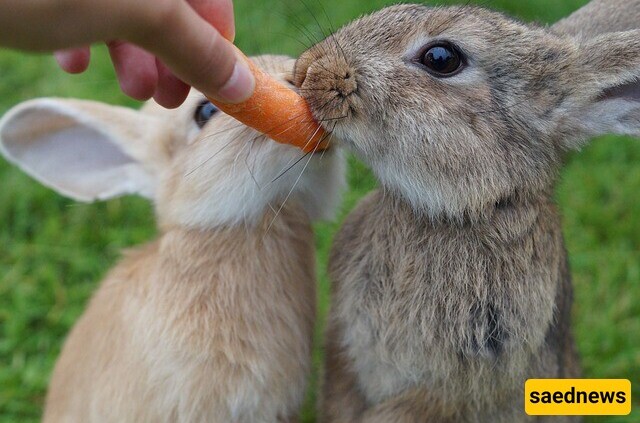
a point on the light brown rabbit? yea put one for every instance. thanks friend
(450, 283)
(213, 321)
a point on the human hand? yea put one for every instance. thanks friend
(160, 43)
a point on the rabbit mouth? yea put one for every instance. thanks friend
(327, 139)
(334, 119)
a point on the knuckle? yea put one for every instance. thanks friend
(153, 18)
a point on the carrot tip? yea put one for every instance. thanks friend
(278, 112)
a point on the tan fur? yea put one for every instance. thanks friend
(450, 284)
(213, 321)
(195, 327)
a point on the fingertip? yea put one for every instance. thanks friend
(171, 91)
(171, 99)
(139, 88)
(136, 70)
(73, 61)
(240, 85)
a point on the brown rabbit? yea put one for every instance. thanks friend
(450, 283)
(213, 321)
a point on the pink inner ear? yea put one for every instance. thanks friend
(629, 91)
(77, 159)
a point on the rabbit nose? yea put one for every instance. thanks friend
(327, 75)
(347, 84)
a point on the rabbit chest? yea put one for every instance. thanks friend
(444, 305)
(224, 324)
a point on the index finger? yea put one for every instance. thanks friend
(197, 53)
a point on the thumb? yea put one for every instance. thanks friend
(198, 54)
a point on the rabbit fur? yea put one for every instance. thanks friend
(450, 284)
(212, 321)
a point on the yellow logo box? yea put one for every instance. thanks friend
(577, 397)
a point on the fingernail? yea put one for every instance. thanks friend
(240, 85)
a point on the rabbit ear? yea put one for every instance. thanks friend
(600, 17)
(607, 97)
(84, 150)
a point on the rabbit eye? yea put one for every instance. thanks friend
(442, 60)
(204, 113)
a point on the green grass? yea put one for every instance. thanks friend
(53, 251)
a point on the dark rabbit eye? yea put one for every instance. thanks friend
(442, 60)
(204, 113)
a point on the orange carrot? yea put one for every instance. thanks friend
(278, 112)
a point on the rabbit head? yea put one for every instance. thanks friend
(200, 167)
(458, 109)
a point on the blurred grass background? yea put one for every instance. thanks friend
(54, 251)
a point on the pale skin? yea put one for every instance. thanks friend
(158, 47)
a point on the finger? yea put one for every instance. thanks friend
(171, 91)
(136, 70)
(218, 13)
(198, 54)
(73, 60)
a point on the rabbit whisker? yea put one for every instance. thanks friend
(301, 27)
(232, 140)
(322, 30)
(302, 30)
(318, 42)
(309, 124)
(333, 32)
(223, 131)
(208, 159)
(234, 167)
(302, 158)
(328, 141)
(284, 202)
(304, 45)
(289, 167)
(332, 119)
(251, 169)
